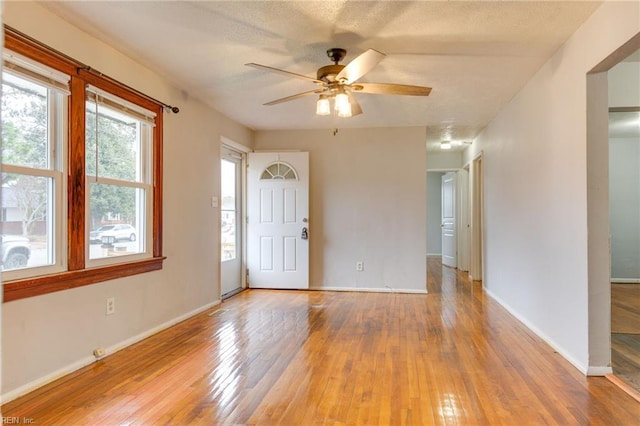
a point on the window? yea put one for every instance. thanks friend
(278, 171)
(229, 210)
(81, 174)
(33, 129)
(118, 143)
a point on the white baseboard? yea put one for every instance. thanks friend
(83, 362)
(371, 290)
(434, 254)
(549, 341)
(599, 371)
(625, 280)
(35, 384)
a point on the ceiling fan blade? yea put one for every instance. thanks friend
(361, 65)
(392, 89)
(356, 109)
(292, 97)
(283, 72)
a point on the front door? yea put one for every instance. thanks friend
(278, 225)
(449, 246)
(231, 222)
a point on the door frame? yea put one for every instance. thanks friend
(597, 182)
(243, 150)
(476, 215)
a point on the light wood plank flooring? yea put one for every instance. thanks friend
(625, 333)
(452, 357)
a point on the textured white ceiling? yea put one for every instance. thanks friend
(475, 55)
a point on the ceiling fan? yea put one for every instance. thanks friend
(339, 83)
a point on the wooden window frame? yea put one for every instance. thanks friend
(77, 274)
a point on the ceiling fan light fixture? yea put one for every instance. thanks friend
(322, 106)
(345, 111)
(445, 144)
(343, 107)
(338, 82)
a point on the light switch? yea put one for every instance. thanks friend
(214, 201)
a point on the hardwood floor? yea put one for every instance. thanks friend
(625, 308)
(625, 333)
(452, 357)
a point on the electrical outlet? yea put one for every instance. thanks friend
(98, 352)
(360, 266)
(111, 305)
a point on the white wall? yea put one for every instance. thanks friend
(535, 191)
(624, 205)
(434, 213)
(624, 85)
(46, 336)
(367, 203)
(444, 160)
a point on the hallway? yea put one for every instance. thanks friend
(453, 356)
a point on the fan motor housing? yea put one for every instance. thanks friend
(328, 73)
(336, 54)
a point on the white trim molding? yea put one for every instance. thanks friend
(599, 371)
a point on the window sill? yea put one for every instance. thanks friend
(36, 286)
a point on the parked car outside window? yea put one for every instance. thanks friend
(15, 252)
(119, 232)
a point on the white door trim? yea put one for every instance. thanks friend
(234, 145)
(476, 266)
(462, 217)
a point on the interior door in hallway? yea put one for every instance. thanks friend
(449, 243)
(278, 225)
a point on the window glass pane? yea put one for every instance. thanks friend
(118, 144)
(278, 171)
(228, 171)
(117, 220)
(27, 236)
(24, 123)
(228, 213)
(228, 235)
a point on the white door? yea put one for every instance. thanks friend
(449, 245)
(278, 226)
(231, 219)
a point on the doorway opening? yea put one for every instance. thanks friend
(448, 225)
(612, 86)
(434, 209)
(624, 219)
